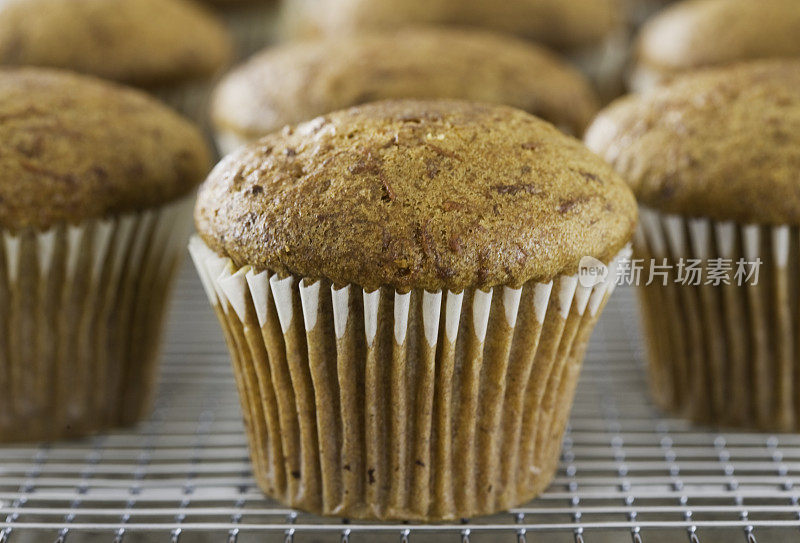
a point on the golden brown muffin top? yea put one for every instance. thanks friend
(721, 143)
(416, 194)
(699, 33)
(74, 147)
(562, 24)
(141, 42)
(297, 82)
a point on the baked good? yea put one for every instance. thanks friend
(591, 33)
(695, 34)
(560, 25)
(172, 48)
(93, 203)
(407, 269)
(148, 43)
(712, 159)
(300, 81)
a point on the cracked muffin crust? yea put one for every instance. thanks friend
(416, 194)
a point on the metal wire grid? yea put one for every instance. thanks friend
(626, 474)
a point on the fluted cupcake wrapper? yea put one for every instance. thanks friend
(419, 405)
(724, 354)
(81, 309)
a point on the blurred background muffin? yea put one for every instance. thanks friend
(94, 180)
(172, 48)
(592, 33)
(695, 34)
(714, 159)
(297, 82)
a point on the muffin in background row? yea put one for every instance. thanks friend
(714, 161)
(592, 33)
(94, 180)
(172, 48)
(396, 284)
(297, 82)
(695, 34)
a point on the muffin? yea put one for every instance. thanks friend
(713, 159)
(712, 33)
(172, 48)
(297, 82)
(397, 283)
(592, 33)
(94, 180)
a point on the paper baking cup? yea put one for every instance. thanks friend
(388, 405)
(725, 355)
(81, 310)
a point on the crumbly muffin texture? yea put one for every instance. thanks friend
(723, 144)
(74, 147)
(298, 82)
(140, 42)
(416, 194)
(557, 23)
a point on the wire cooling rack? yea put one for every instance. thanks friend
(627, 474)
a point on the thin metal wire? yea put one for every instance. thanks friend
(624, 469)
(22, 498)
(568, 459)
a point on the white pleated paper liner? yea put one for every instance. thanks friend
(81, 310)
(423, 405)
(727, 354)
